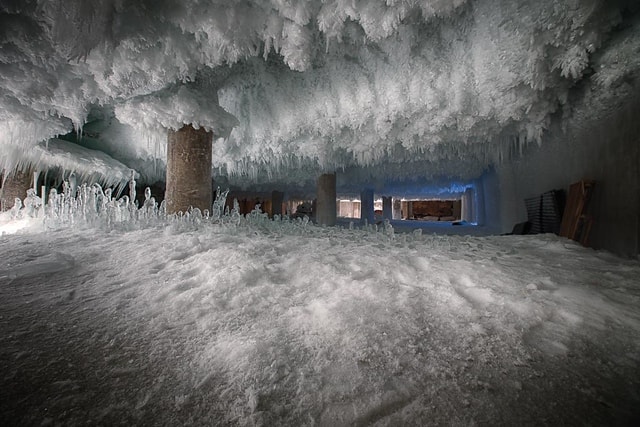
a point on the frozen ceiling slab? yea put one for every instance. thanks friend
(392, 88)
(65, 158)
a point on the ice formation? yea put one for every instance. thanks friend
(92, 207)
(309, 86)
(65, 159)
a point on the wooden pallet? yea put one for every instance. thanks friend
(576, 223)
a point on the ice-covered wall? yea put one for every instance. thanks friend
(606, 148)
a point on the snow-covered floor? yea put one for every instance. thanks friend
(271, 324)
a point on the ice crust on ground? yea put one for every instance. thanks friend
(248, 321)
(319, 85)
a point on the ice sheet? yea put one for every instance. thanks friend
(268, 323)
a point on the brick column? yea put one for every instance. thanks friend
(15, 185)
(277, 197)
(366, 206)
(387, 208)
(326, 200)
(189, 169)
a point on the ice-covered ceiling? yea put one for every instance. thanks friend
(374, 89)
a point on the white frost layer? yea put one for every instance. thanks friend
(63, 157)
(175, 108)
(270, 325)
(20, 136)
(341, 83)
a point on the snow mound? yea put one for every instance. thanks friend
(281, 323)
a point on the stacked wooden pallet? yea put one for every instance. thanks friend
(576, 223)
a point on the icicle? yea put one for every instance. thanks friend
(73, 185)
(35, 180)
(132, 190)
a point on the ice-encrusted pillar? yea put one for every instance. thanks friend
(189, 169)
(326, 200)
(410, 209)
(387, 208)
(467, 205)
(457, 209)
(277, 197)
(366, 206)
(480, 216)
(15, 185)
(397, 209)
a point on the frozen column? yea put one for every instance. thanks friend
(326, 200)
(467, 205)
(480, 217)
(404, 207)
(387, 208)
(397, 209)
(15, 185)
(277, 197)
(188, 169)
(366, 206)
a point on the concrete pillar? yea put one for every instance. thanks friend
(467, 205)
(479, 214)
(396, 210)
(387, 208)
(15, 185)
(277, 197)
(326, 200)
(366, 206)
(188, 169)
(457, 209)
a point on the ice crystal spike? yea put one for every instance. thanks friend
(219, 204)
(32, 203)
(132, 189)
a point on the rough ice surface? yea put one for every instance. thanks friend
(68, 158)
(173, 109)
(454, 87)
(188, 319)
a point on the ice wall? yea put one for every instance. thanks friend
(605, 149)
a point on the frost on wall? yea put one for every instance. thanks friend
(451, 86)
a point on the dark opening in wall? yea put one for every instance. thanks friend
(433, 210)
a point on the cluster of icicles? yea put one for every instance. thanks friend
(87, 206)
(91, 205)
